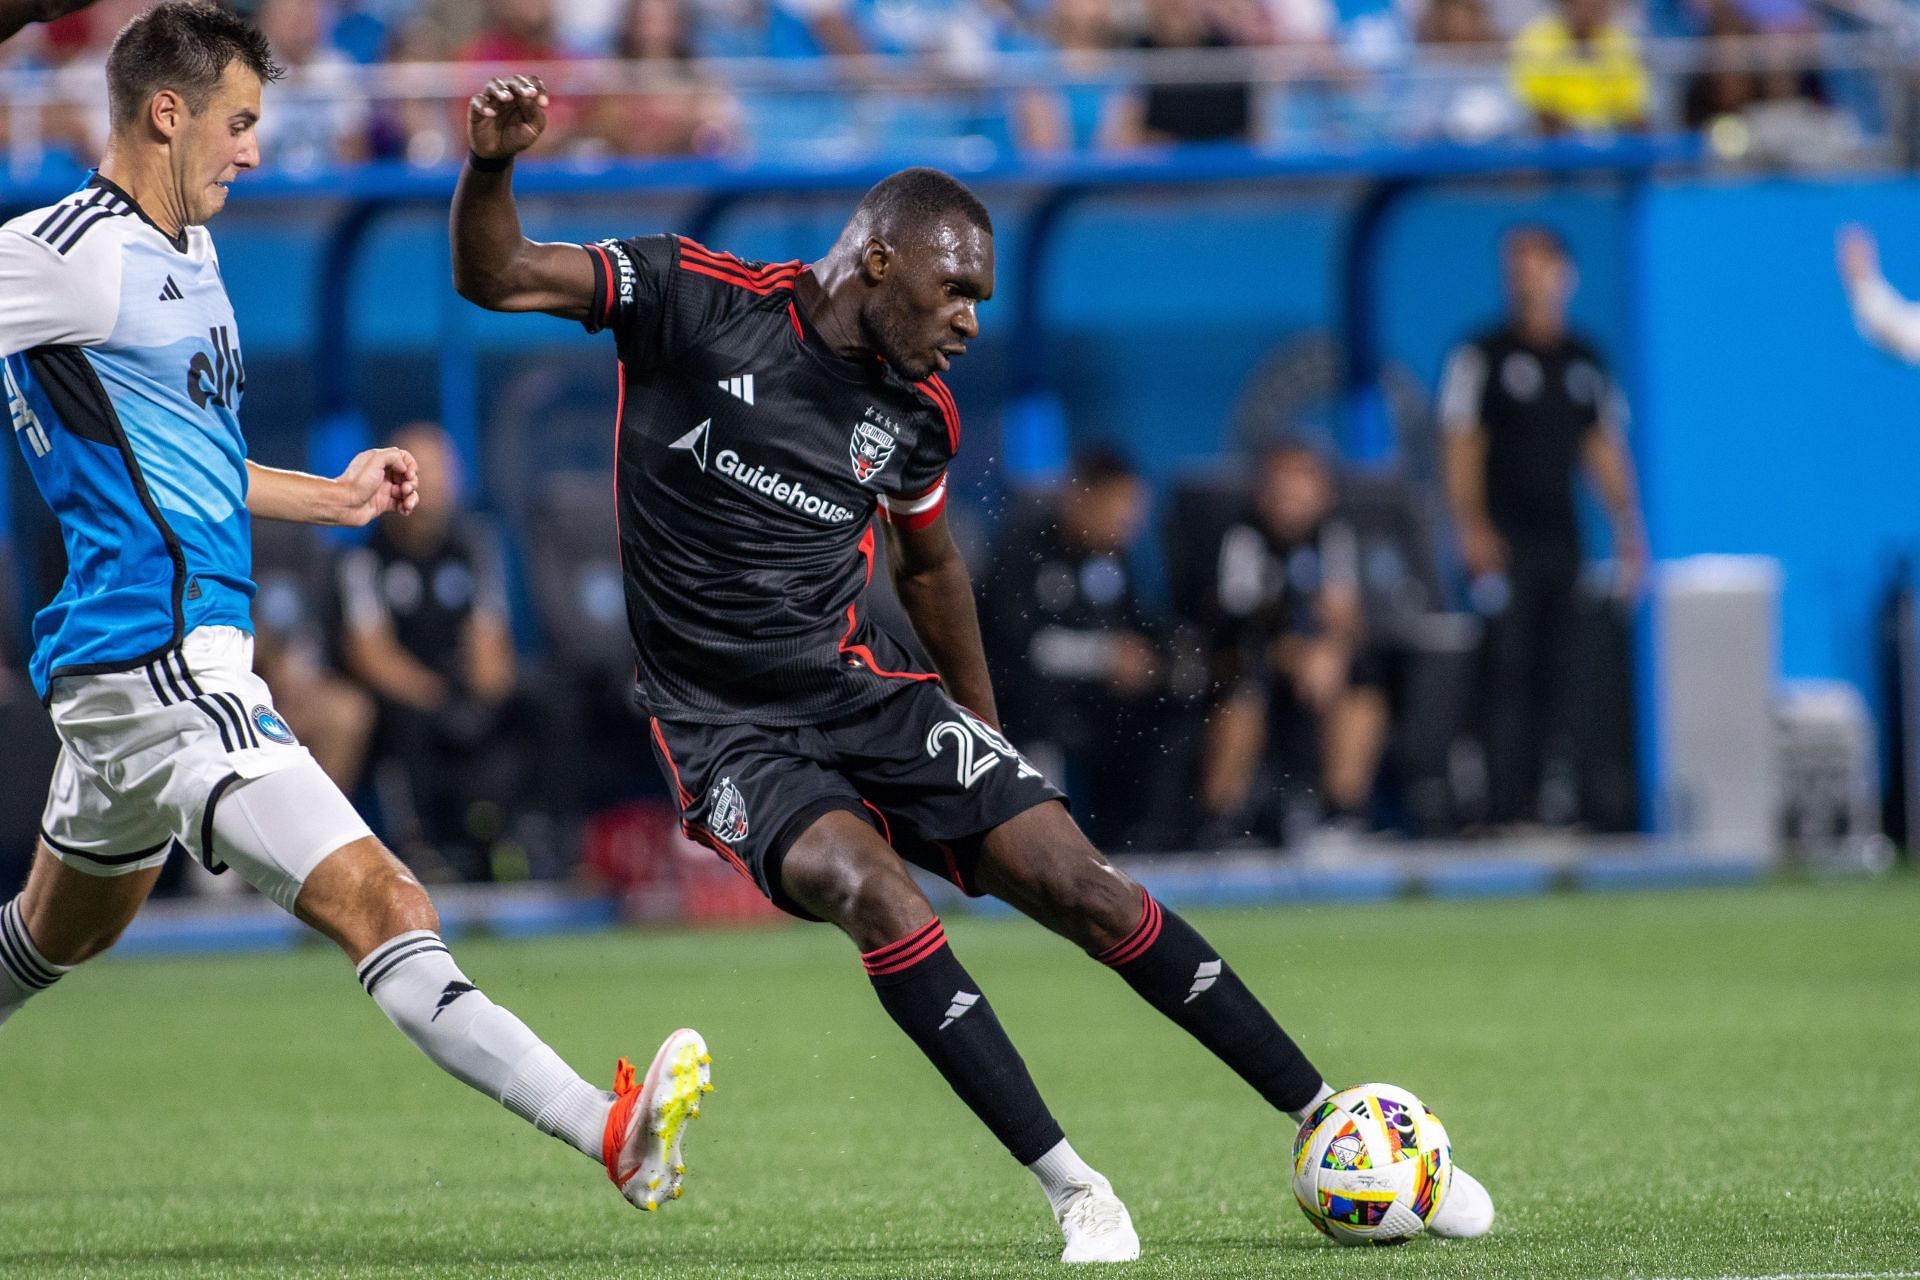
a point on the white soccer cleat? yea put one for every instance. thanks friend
(1467, 1212)
(645, 1129)
(1097, 1227)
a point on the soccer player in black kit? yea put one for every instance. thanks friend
(768, 414)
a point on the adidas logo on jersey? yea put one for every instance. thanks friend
(170, 292)
(1203, 977)
(740, 386)
(962, 1001)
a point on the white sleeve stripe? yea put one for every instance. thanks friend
(916, 506)
(1461, 388)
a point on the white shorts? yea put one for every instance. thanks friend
(146, 754)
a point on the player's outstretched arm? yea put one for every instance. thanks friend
(494, 264)
(936, 591)
(374, 483)
(1883, 317)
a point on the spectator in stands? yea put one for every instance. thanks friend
(1461, 99)
(1079, 661)
(674, 110)
(1523, 408)
(1297, 695)
(522, 35)
(322, 117)
(470, 767)
(1072, 117)
(1219, 111)
(1579, 71)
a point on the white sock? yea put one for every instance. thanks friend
(1062, 1174)
(1326, 1091)
(24, 972)
(418, 986)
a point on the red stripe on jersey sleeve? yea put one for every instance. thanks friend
(771, 284)
(602, 286)
(936, 391)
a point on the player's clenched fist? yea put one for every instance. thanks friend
(506, 117)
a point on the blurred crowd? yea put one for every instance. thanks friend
(1028, 77)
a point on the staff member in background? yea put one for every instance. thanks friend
(1079, 663)
(1300, 693)
(469, 769)
(1523, 408)
(1885, 319)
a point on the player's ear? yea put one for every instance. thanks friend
(166, 113)
(876, 260)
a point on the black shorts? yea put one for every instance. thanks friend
(920, 769)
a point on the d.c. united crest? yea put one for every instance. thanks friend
(871, 448)
(727, 811)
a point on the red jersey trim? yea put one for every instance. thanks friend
(602, 287)
(860, 651)
(773, 284)
(936, 391)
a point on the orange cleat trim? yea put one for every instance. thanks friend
(626, 1097)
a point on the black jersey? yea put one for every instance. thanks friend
(751, 461)
(1537, 405)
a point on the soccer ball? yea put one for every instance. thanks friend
(1372, 1165)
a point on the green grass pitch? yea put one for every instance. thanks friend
(1697, 1084)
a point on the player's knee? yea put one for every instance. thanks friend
(1077, 885)
(71, 947)
(362, 895)
(867, 894)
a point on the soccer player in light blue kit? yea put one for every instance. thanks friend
(123, 376)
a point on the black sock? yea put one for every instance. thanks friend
(925, 990)
(1176, 972)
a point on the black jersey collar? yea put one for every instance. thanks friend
(94, 179)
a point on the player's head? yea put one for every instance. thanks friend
(1105, 501)
(184, 78)
(922, 246)
(1539, 271)
(1295, 488)
(439, 481)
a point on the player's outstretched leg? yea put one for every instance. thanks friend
(843, 872)
(360, 896)
(1040, 863)
(62, 918)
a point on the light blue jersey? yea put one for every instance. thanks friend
(123, 379)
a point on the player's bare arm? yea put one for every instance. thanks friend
(936, 591)
(376, 482)
(494, 264)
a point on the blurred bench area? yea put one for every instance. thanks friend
(1229, 235)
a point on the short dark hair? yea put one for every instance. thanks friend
(915, 199)
(1537, 233)
(1100, 464)
(183, 45)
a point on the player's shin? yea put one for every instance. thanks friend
(924, 988)
(24, 972)
(418, 986)
(1175, 971)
